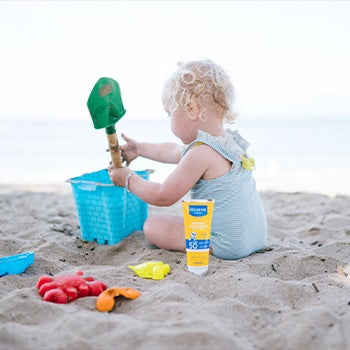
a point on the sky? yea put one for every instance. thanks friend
(287, 59)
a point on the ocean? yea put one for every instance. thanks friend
(52, 151)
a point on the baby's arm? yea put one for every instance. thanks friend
(165, 152)
(188, 171)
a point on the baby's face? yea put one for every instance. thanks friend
(183, 127)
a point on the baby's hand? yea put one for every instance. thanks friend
(118, 175)
(130, 150)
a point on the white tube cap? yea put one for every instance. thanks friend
(198, 270)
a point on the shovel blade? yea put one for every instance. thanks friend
(105, 103)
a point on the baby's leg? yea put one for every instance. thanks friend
(166, 231)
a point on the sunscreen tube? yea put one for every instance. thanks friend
(198, 215)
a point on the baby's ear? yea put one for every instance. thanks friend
(193, 110)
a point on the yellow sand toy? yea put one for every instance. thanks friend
(156, 270)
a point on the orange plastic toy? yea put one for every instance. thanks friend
(105, 301)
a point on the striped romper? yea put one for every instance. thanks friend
(239, 225)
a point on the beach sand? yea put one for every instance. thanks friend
(295, 294)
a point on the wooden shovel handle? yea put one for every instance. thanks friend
(114, 149)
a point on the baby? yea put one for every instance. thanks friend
(212, 162)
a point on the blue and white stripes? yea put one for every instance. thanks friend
(239, 225)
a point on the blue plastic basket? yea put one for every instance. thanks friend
(107, 213)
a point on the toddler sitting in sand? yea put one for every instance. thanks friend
(211, 163)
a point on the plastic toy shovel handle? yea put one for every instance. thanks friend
(114, 148)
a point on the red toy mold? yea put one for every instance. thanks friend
(66, 288)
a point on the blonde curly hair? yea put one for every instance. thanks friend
(201, 80)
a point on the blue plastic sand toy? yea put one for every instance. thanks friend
(15, 263)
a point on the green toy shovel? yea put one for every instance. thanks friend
(106, 108)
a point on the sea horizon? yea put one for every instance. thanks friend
(285, 150)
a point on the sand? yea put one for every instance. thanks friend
(295, 294)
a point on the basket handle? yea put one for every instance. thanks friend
(87, 186)
(83, 185)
